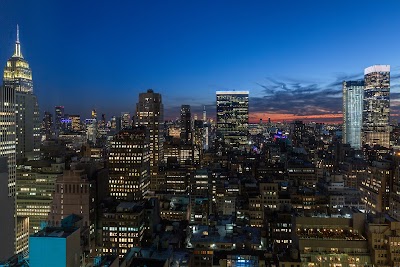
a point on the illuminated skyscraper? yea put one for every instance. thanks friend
(19, 116)
(18, 76)
(376, 112)
(129, 164)
(125, 120)
(150, 113)
(186, 125)
(233, 116)
(353, 97)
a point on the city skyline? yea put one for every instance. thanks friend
(251, 49)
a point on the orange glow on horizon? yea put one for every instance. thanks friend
(332, 118)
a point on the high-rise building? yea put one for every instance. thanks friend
(353, 97)
(186, 125)
(233, 116)
(150, 113)
(59, 116)
(75, 122)
(47, 125)
(19, 116)
(129, 164)
(72, 195)
(35, 187)
(376, 111)
(7, 207)
(125, 120)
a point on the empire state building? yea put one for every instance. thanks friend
(19, 114)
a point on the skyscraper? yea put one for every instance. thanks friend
(129, 164)
(233, 116)
(353, 97)
(18, 76)
(19, 116)
(59, 116)
(150, 113)
(125, 120)
(186, 125)
(47, 125)
(376, 111)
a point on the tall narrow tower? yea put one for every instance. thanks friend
(18, 78)
(353, 97)
(150, 113)
(376, 113)
(186, 125)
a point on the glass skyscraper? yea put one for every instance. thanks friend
(233, 117)
(376, 111)
(353, 97)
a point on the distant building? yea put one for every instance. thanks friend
(58, 117)
(233, 117)
(150, 113)
(47, 125)
(353, 97)
(376, 112)
(186, 125)
(126, 122)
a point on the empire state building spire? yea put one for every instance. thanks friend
(17, 52)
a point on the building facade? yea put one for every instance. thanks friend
(233, 116)
(18, 78)
(129, 164)
(150, 113)
(376, 113)
(353, 97)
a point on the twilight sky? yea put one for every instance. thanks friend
(291, 55)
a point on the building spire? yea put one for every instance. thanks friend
(17, 52)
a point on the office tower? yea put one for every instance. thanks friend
(353, 97)
(149, 113)
(126, 220)
(198, 140)
(94, 114)
(125, 120)
(102, 123)
(18, 77)
(55, 246)
(35, 188)
(204, 114)
(72, 195)
(233, 117)
(186, 125)
(22, 235)
(113, 122)
(129, 164)
(91, 130)
(47, 125)
(394, 209)
(7, 207)
(75, 122)
(59, 115)
(376, 106)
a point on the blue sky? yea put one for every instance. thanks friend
(102, 54)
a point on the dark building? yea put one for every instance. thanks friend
(186, 125)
